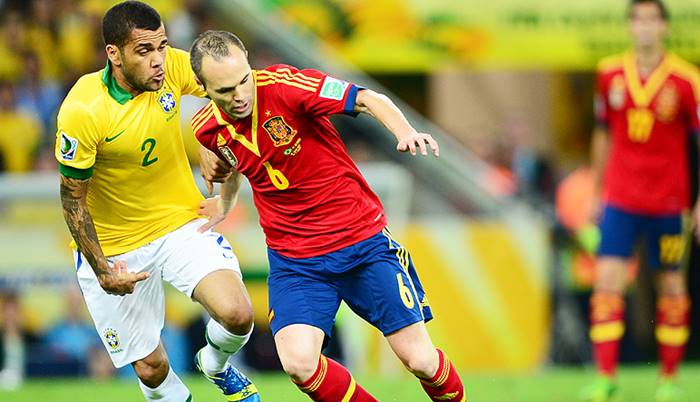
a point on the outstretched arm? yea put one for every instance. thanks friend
(114, 280)
(385, 111)
(218, 207)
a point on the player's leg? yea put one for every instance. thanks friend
(207, 271)
(303, 304)
(607, 305)
(157, 380)
(130, 325)
(385, 291)
(667, 248)
(224, 296)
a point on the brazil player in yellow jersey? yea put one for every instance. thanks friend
(131, 203)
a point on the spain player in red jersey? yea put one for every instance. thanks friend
(325, 228)
(647, 108)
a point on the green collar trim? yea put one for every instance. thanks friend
(117, 93)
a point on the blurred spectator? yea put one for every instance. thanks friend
(20, 133)
(39, 96)
(11, 37)
(186, 23)
(73, 339)
(12, 370)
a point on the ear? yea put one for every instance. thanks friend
(200, 83)
(114, 55)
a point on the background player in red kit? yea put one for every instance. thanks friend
(325, 228)
(647, 107)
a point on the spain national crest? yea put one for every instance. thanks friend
(280, 132)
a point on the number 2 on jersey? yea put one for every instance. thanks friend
(276, 177)
(148, 146)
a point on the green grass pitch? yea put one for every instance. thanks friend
(551, 385)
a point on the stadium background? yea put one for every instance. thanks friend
(496, 226)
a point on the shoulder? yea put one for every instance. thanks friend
(289, 76)
(685, 71)
(85, 99)
(205, 124)
(176, 57)
(610, 65)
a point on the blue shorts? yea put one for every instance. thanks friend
(664, 237)
(374, 277)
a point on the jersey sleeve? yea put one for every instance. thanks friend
(313, 92)
(179, 63)
(691, 102)
(600, 102)
(77, 137)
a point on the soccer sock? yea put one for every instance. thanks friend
(172, 389)
(445, 384)
(672, 320)
(607, 328)
(333, 383)
(221, 344)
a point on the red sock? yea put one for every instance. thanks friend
(607, 328)
(445, 385)
(672, 320)
(333, 383)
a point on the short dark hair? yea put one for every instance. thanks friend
(214, 44)
(124, 17)
(659, 4)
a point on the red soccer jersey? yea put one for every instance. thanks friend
(650, 120)
(310, 196)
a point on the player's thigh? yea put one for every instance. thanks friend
(129, 325)
(187, 257)
(619, 231)
(384, 289)
(666, 241)
(301, 292)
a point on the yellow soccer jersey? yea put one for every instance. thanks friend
(142, 186)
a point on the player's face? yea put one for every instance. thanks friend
(647, 26)
(229, 82)
(143, 59)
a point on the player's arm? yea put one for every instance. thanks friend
(114, 280)
(213, 169)
(385, 111)
(600, 148)
(218, 207)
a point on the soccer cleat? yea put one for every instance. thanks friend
(603, 389)
(667, 391)
(235, 386)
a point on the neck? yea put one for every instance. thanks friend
(123, 82)
(648, 58)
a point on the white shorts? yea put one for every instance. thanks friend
(130, 325)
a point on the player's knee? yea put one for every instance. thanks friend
(236, 318)
(423, 365)
(151, 372)
(298, 366)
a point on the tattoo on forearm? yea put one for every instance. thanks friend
(79, 221)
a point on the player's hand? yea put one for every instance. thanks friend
(418, 141)
(214, 210)
(118, 281)
(214, 170)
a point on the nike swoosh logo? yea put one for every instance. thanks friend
(110, 139)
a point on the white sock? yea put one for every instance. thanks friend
(221, 344)
(172, 389)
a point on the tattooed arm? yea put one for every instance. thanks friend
(114, 280)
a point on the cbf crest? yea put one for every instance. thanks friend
(112, 339)
(280, 132)
(167, 101)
